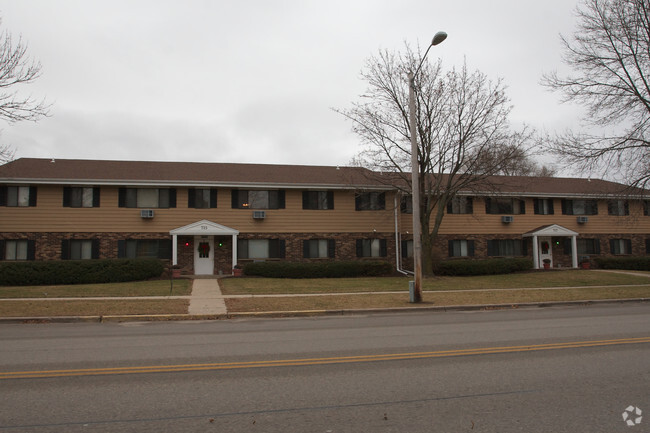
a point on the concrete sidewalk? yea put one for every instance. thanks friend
(206, 298)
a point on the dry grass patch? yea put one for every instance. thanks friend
(92, 308)
(566, 278)
(389, 300)
(182, 287)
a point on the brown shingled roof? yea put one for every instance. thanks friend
(61, 170)
(31, 170)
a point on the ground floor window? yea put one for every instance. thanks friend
(407, 248)
(461, 248)
(506, 247)
(620, 246)
(371, 248)
(261, 249)
(145, 248)
(319, 248)
(79, 249)
(585, 246)
(17, 250)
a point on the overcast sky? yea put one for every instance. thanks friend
(256, 80)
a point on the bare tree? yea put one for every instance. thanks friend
(461, 115)
(512, 160)
(16, 68)
(7, 153)
(610, 57)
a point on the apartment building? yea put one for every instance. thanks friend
(209, 217)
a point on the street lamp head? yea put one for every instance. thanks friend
(438, 38)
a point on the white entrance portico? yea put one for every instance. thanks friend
(543, 247)
(203, 232)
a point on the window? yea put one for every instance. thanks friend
(460, 205)
(80, 197)
(461, 248)
(506, 247)
(147, 197)
(406, 204)
(646, 207)
(501, 205)
(543, 206)
(317, 200)
(620, 246)
(17, 250)
(618, 207)
(75, 249)
(260, 248)
(200, 198)
(18, 196)
(407, 248)
(585, 246)
(579, 207)
(319, 248)
(258, 199)
(371, 248)
(647, 246)
(144, 248)
(370, 201)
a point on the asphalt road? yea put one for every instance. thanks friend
(534, 370)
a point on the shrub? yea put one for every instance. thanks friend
(318, 270)
(482, 267)
(640, 263)
(78, 271)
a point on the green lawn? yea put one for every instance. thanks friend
(182, 287)
(567, 278)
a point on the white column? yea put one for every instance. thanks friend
(234, 250)
(535, 253)
(574, 251)
(174, 249)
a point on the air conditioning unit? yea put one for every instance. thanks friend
(582, 219)
(507, 219)
(146, 213)
(259, 214)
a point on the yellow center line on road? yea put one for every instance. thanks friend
(315, 361)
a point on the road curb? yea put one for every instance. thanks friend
(309, 313)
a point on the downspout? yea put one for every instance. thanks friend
(398, 242)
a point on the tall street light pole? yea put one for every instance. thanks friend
(415, 173)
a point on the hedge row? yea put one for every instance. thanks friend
(318, 270)
(78, 271)
(634, 263)
(482, 267)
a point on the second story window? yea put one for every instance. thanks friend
(80, 197)
(18, 196)
(618, 207)
(579, 207)
(147, 197)
(370, 201)
(543, 206)
(502, 205)
(317, 200)
(460, 205)
(201, 198)
(258, 199)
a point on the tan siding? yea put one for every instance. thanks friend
(481, 223)
(51, 216)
